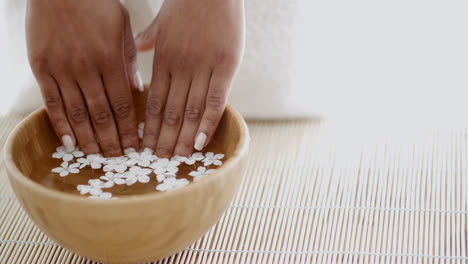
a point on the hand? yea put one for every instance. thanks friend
(198, 48)
(82, 54)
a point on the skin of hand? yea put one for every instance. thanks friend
(83, 56)
(198, 49)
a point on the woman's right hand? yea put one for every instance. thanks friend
(83, 56)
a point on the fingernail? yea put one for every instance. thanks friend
(129, 150)
(139, 81)
(68, 143)
(200, 141)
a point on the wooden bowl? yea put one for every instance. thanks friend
(132, 229)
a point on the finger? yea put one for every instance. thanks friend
(155, 104)
(214, 107)
(145, 40)
(101, 115)
(77, 114)
(130, 55)
(173, 113)
(193, 113)
(121, 101)
(56, 110)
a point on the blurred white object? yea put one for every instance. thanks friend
(358, 60)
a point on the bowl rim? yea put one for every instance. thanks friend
(240, 150)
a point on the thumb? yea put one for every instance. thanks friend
(145, 40)
(130, 55)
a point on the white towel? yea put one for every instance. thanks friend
(261, 88)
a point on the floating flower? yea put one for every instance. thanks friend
(137, 174)
(66, 169)
(117, 164)
(132, 168)
(211, 158)
(141, 129)
(61, 153)
(178, 158)
(162, 176)
(112, 178)
(197, 156)
(200, 173)
(93, 160)
(142, 159)
(165, 165)
(102, 195)
(94, 187)
(171, 184)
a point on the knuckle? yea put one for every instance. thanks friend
(130, 52)
(193, 114)
(171, 118)
(159, 56)
(126, 132)
(216, 100)
(151, 133)
(107, 55)
(78, 114)
(160, 50)
(52, 102)
(122, 108)
(102, 117)
(164, 150)
(226, 58)
(181, 62)
(154, 107)
(81, 65)
(221, 57)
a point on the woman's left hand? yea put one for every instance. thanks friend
(198, 48)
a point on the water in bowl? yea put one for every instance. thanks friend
(41, 173)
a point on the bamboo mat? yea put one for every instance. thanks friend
(309, 197)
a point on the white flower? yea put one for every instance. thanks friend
(171, 184)
(143, 159)
(67, 156)
(179, 158)
(112, 178)
(102, 195)
(137, 174)
(213, 159)
(200, 173)
(164, 165)
(162, 176)
(117, 164)
(94, 187)
(197, 156)
(141, 129)
(93, 160)
(66, 169)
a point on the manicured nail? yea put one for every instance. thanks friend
(68, 143)
(200, 141)
(139, 81)
(129, 150)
